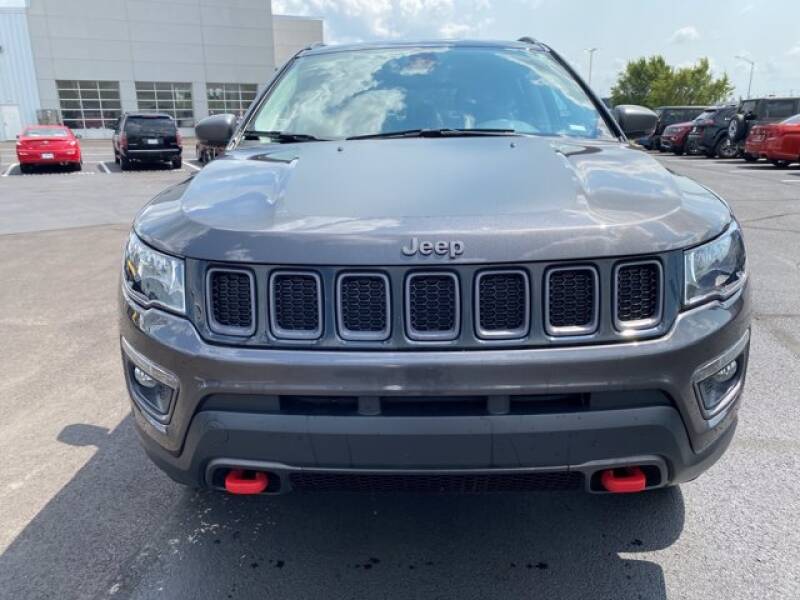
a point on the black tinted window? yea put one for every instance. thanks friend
(726, 114)
(779, 109)
(748, 107)
(690, 114)
(149, 125)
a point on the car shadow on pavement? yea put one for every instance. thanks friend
(121, 528)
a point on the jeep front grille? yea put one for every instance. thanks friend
(295, 305)
(638, 294)
(231, 299)
(462, 307)
(572, 301)
(363, 306)
(432, 306)
(502, 305)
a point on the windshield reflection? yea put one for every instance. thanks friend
(342, 94)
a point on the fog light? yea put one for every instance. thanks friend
(152, 395)
(717, 387)
(726, 372)
(143, 378)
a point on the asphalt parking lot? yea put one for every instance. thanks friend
(84, 514)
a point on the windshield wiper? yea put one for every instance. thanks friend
(283, 137)
(445, 132)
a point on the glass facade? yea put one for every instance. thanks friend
(233, 98)
(87, 104)
(174, 99)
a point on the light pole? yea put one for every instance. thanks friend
(752, 68)
(591, 52)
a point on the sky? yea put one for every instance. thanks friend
(765, 31)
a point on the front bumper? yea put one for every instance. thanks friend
(242, 426)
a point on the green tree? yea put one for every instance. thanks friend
(635, 83)
(652, 82)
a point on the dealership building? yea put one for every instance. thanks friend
(84, 62)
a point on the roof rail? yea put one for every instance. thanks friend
(533, 42)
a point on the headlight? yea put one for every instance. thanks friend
(715, 270)
(153, 278)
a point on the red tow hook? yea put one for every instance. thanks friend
(241, 482)
(626, 480)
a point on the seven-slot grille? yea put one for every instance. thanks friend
(638, 294)
(572, 301)
(231, 297)
(430, 302)
(296, 305)
(502, 305)
(363, 306)
(432, 306)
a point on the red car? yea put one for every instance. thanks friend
(756, 142)
(779, 143)
(674, 137)
(48, 145)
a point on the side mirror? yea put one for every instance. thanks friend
(78, 136)
(216, 130)
(751, 116)
(635, 121)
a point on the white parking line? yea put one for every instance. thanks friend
(105, 168)
(9, 169)
(195, 167)
(791, 180)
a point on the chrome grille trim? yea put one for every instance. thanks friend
(227, 329)
(507, 334)
(295, 334)
(588, 329)
(347, 334)
(428, 336)
(640, 325)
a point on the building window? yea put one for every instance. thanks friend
(232, 98)
(89, 104)
(174, 99)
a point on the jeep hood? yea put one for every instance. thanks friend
(507, 199)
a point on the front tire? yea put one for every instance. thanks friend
(25, 169)
(780, 164)
(177, 163)
(124, 163)
(749, 157)
(726, 149)
(78, 166)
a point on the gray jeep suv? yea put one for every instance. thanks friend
(435, 266)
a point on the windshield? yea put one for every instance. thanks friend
(367, 92)
(46, 132)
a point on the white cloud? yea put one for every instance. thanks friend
(685, 34)
(370, 19)
(794, 51)
(455, 30)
